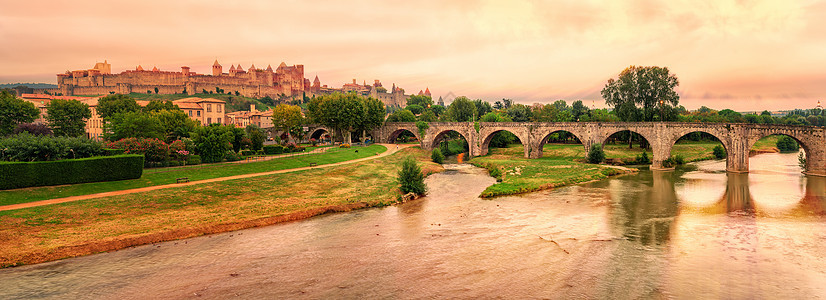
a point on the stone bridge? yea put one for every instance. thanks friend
(736, 138)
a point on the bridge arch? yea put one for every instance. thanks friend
(318, 133)
(396, 133)
(658, 151)
(492, 132)
(680, 133)
(546, 134)
(814, 158)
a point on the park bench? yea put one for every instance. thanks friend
(312, 164)
(183, 179)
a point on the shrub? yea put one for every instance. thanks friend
(232, 156)
(643, 159)
(70, 171)
(313, 141)
(719, 152)
(27, 147)
(33, 128)
(411, 178)
(155, 150)
(679, 159)
(801, 161)
(344, 146)
(298, 149)
(787, 144)
(669, 163)
(193, 160)
(596, 154)
(437, 156)
(495, 173)
(113, 152)
(247, 152)
(273, 149)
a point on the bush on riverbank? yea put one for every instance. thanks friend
(787, 144)
(411, 179)
(436, 156)
(596, 155)
(719, 152)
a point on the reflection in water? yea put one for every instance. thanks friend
(696, 232)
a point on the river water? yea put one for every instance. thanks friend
(692, 233)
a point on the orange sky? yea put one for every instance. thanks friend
(740, 54)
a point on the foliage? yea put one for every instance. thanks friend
(212, 141)
(156, 105)
(495, 172)
(134, 125)
(578, 110)
(643, 94)
(679, 159)
(285, 116)
(719, 152)
(411, 178)
(520, 113)
(420, 100)
(801, 161)
(176, 124)
(438, 110)
(482, 107)
(669, 163)
(787, 144)
(14, 111)
(342, 112)
(33, 128)
(117, 103)
(238, 136)
(70, 171)
(27, 147)
(402, 115)
(155, 150)
(596, 154)
(67, 117)
(422, 127)
(428, 116)
(373, 114)
(461, 110)
(643, 159)
(273, 149)
(436, 156)
(256, 136)
(415, 109)
(232, 156)
(344, 146)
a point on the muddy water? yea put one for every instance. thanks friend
(692, 233)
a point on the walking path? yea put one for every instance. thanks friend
(391, 148)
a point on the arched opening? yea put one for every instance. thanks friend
(627, 147)
(320, 135)
(561, 144)
(699, 146)
(778, 153)
(452, 144)
(503, 142)
(402, 136)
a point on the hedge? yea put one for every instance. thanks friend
(69, 171)
(273, 149)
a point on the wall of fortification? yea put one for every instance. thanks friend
(162, 89)
(93, 90)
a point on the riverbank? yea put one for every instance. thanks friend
(521, 175)
(58, 231)
(162, 176)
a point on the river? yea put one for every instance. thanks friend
(696, 232)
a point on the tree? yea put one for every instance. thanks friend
(544, 113)
(68, 117)
(420, 100)
(596, 155)
(256, 136)
(373, 114)
(33, 129)
(436, 156)
(158, 105)
(176, 124)
(415, 109)
(117, 103)
(787, 144)
(133, 125)
(428, 116)
(502, 138)
(519, 113)
(238, 137)
(342, 112)
(438, 110)
(641, 93)
(461, 110)
(578, 110)
(411, 179)
(15, 111)
(212, 142)
(482, 107)
(285, 116)
(402, 115)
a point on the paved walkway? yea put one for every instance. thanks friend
(391, 148)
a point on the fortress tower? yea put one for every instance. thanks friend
(216, 69)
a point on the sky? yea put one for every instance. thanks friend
(739, 54)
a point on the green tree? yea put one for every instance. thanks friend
(642, 94)
(436, 156)
(15, 111)
(415, 109)
(285, 116)
(502, 138)
(428, 116)
(212, 141)
(402, 115)
(438, 110)
(544, 113)
(256, 135)
(176, 124)
(420, 100)
(596, 155)
(411, 179)
(719, 152)
(373, 114)
(117, 103)
(238, 136)
(787, 144)
(461, 110)
(482, 107)
(578, 110)
(519, 113)
(342, 112)
(68, 117)
(134, 125)
(158, 105)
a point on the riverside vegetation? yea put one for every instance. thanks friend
(51, 232)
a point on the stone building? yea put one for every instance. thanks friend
(395, 97)
(94, 125)
(241, 119)
(204, 110)
(285, 80)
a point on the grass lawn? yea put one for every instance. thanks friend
(52, 232)
(160, 176)
(521, 175)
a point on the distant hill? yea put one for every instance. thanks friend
(30, 85)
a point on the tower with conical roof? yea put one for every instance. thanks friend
(216, 69)
(427, 92)
(818, 105)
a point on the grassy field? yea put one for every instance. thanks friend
(161, 176)
(522, 175)
(78, 228)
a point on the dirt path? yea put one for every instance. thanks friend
(391, 148)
